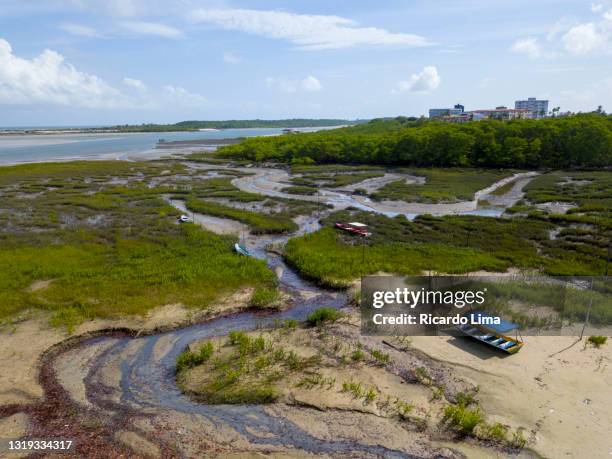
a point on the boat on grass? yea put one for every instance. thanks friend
(242, 250)
(360, 229)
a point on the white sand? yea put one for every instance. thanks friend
(560, 391)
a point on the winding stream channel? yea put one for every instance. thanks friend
(121, 382)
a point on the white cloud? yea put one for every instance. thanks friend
(425, 81)
(231, 58)
(569, 36)
(49, 79)
(528, 46)
(81, 30)
(180, 96)
(584, 39)
(289, 86)
(307, 31)
(311, 83)
(136, 84)
(151, 28)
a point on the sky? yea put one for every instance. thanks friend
(91, 62)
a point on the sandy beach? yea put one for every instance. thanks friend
(555, 387)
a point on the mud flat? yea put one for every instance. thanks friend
(270, 182)
(214, 224)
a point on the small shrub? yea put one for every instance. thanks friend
(354, 388)
(465, 399)
(322, 316)
(357, 355)
(293, 361)
(380, 356)
(404, 409)
(463, 419)
(370, 395)
(422, 375)
(495, 432)
(310, 381)
(264, 298)
(236, 337)
(189, 359)
(518, 439)
(597, 341)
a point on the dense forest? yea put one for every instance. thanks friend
(230, 124)
(579, 141)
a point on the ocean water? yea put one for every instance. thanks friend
(38, 148)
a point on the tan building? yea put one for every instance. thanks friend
(501, 113)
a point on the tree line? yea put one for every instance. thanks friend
(195, 125)
(579, 141)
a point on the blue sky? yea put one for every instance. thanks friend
(83, 62)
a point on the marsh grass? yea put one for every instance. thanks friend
(257, 222)
(330, 178)
(190, 359)
(109, 250)
(324, 257)
(452, 244)
(323, 316)
(441, 185)
(300, 189)
(265, 298)
(462, 418)
(247, 370)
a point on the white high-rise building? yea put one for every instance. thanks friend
(538, 108)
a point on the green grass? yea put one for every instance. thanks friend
(324, 257)
(264, 298)
(590, 191)
(597, 340)
(334, 168)
(522, 242)
(190, 359)
(502, 190)
(221, 187)
(441, 185)
(109, 250)
(257, 222)
(568, 302)
(322, 316)
(245, 370)
(463, 419)
(299, 189)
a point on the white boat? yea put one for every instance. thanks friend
(241, 250)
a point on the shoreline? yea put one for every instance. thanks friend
(98, 131)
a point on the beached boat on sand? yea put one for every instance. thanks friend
(492, 334)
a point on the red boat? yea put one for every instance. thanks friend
(354, 227)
